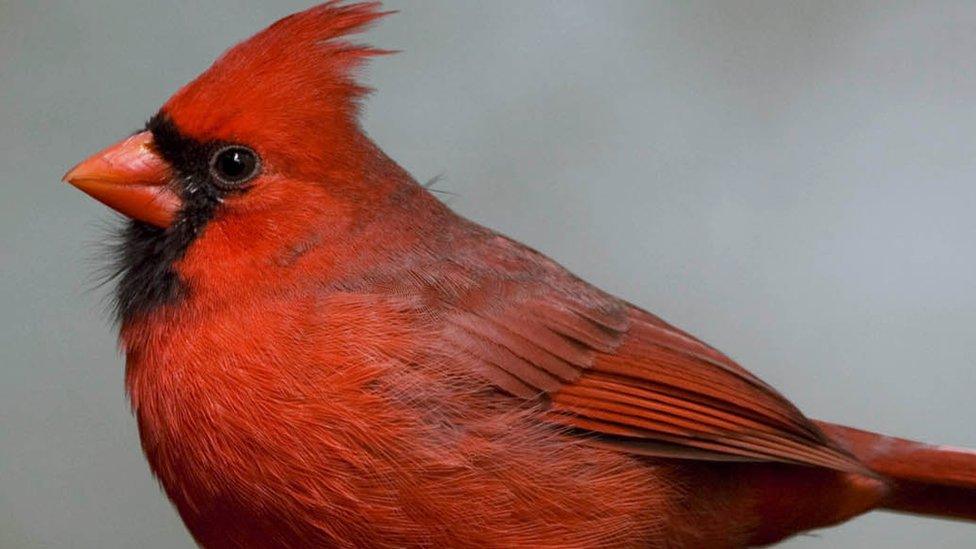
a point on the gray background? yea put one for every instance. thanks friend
(792, 181)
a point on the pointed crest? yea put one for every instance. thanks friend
(284, 84)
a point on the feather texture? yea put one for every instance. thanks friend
(330, 357)
(608, 368)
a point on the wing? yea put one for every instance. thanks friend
(616, 374)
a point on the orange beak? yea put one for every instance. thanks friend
(130, 178)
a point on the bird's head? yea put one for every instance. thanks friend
(246, 167)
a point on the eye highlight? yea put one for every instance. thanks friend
(233, 166)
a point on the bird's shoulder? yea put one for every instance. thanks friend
(601, 367)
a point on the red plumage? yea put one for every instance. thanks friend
(340, 360)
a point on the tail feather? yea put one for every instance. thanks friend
(923, 479)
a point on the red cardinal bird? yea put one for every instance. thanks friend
(320, 353)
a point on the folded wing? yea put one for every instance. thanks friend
(624, 378)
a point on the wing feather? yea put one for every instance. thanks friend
(608, 371)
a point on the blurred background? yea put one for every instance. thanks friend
(791, 181)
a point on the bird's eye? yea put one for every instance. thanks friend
(233, 166)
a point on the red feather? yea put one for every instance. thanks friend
(345, 362)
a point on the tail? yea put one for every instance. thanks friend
(923, 479)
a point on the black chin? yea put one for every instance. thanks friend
(143, 265)
(145, 255)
